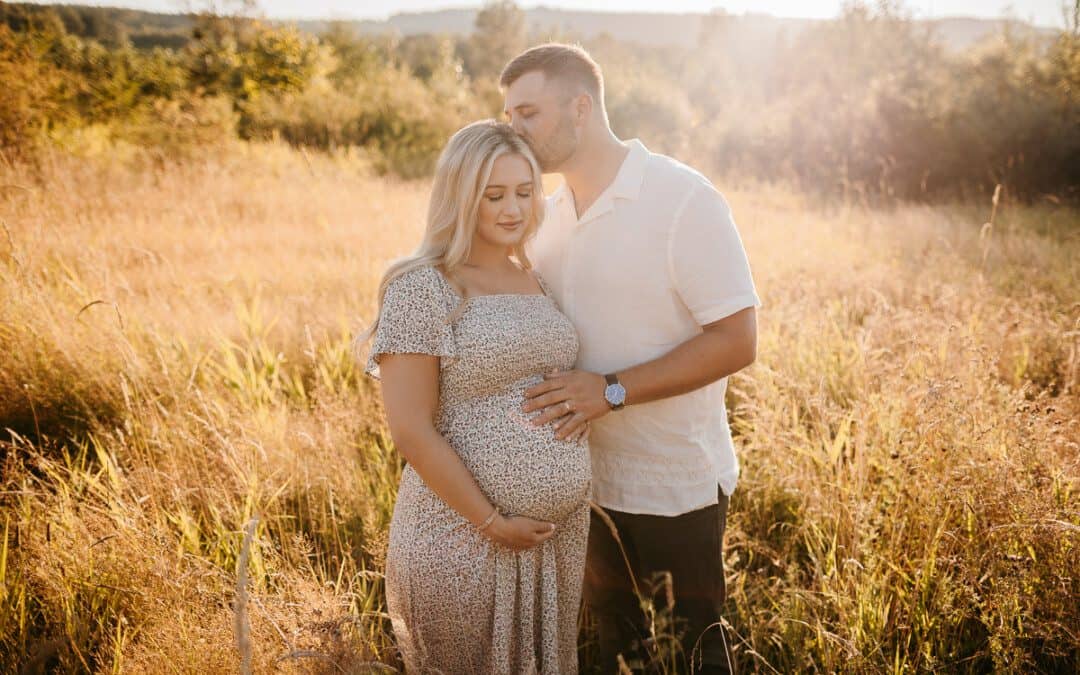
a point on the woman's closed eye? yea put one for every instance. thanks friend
(495, 198)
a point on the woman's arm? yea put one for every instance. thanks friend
(410, 386)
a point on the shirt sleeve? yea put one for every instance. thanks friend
(413, 320)
(706, 259)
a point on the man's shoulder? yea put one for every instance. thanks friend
(667, 173)
(688, 190)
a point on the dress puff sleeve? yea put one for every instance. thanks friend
(413, 319)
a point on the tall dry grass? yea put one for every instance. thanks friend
(175, 366)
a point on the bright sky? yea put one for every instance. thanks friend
(1042, 12)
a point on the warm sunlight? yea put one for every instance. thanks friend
(747, 341)
(1041, 12)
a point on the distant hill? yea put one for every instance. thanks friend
(146, 29)
(659, 29)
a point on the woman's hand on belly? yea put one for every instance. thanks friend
(519, 532)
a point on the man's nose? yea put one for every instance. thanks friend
(515, 123)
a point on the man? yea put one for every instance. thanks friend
(643, 256)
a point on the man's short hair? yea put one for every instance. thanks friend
(570, 63)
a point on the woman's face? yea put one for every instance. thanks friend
(506, 204)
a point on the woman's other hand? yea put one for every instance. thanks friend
(519, 532)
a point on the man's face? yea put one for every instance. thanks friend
(541, 112)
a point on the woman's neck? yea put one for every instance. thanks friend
(495, 258)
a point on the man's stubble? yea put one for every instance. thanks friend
(553, 153)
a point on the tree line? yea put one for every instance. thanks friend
(870, 102)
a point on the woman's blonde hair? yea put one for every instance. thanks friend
(461, 174)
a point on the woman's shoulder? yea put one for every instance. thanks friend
(419, 274)
(417, 279)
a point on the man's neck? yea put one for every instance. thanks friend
(593, 168)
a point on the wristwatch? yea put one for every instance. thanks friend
(614, 393)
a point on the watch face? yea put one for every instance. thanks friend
(615, 394)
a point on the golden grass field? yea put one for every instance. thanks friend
(175, 361)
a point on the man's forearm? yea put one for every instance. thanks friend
(571, 398)
(699, 361)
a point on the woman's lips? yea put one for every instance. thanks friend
(510, 226)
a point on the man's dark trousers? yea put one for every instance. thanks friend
(690, 547)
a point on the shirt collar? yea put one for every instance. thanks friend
(626, 185)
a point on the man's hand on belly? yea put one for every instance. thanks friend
(572, 397)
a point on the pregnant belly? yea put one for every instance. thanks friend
(521, 468)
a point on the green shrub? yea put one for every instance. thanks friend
(403, 123)
(182, 127)
(869, 104)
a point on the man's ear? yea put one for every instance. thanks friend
(583, 107)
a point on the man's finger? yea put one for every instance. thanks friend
(570, 426)
(549, 399)
(578, 435)
(566, 420)
(541, 388)
(548, 416)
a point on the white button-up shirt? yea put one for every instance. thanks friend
(655, 257)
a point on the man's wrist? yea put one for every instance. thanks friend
(614, 391)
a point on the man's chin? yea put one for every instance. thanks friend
(553, 164)
(547, 166)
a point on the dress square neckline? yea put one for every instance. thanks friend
(462, 298)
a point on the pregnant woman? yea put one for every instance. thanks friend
(487, 541)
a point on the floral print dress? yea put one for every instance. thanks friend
(458, 601)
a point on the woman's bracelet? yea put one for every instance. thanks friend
(490, 519)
